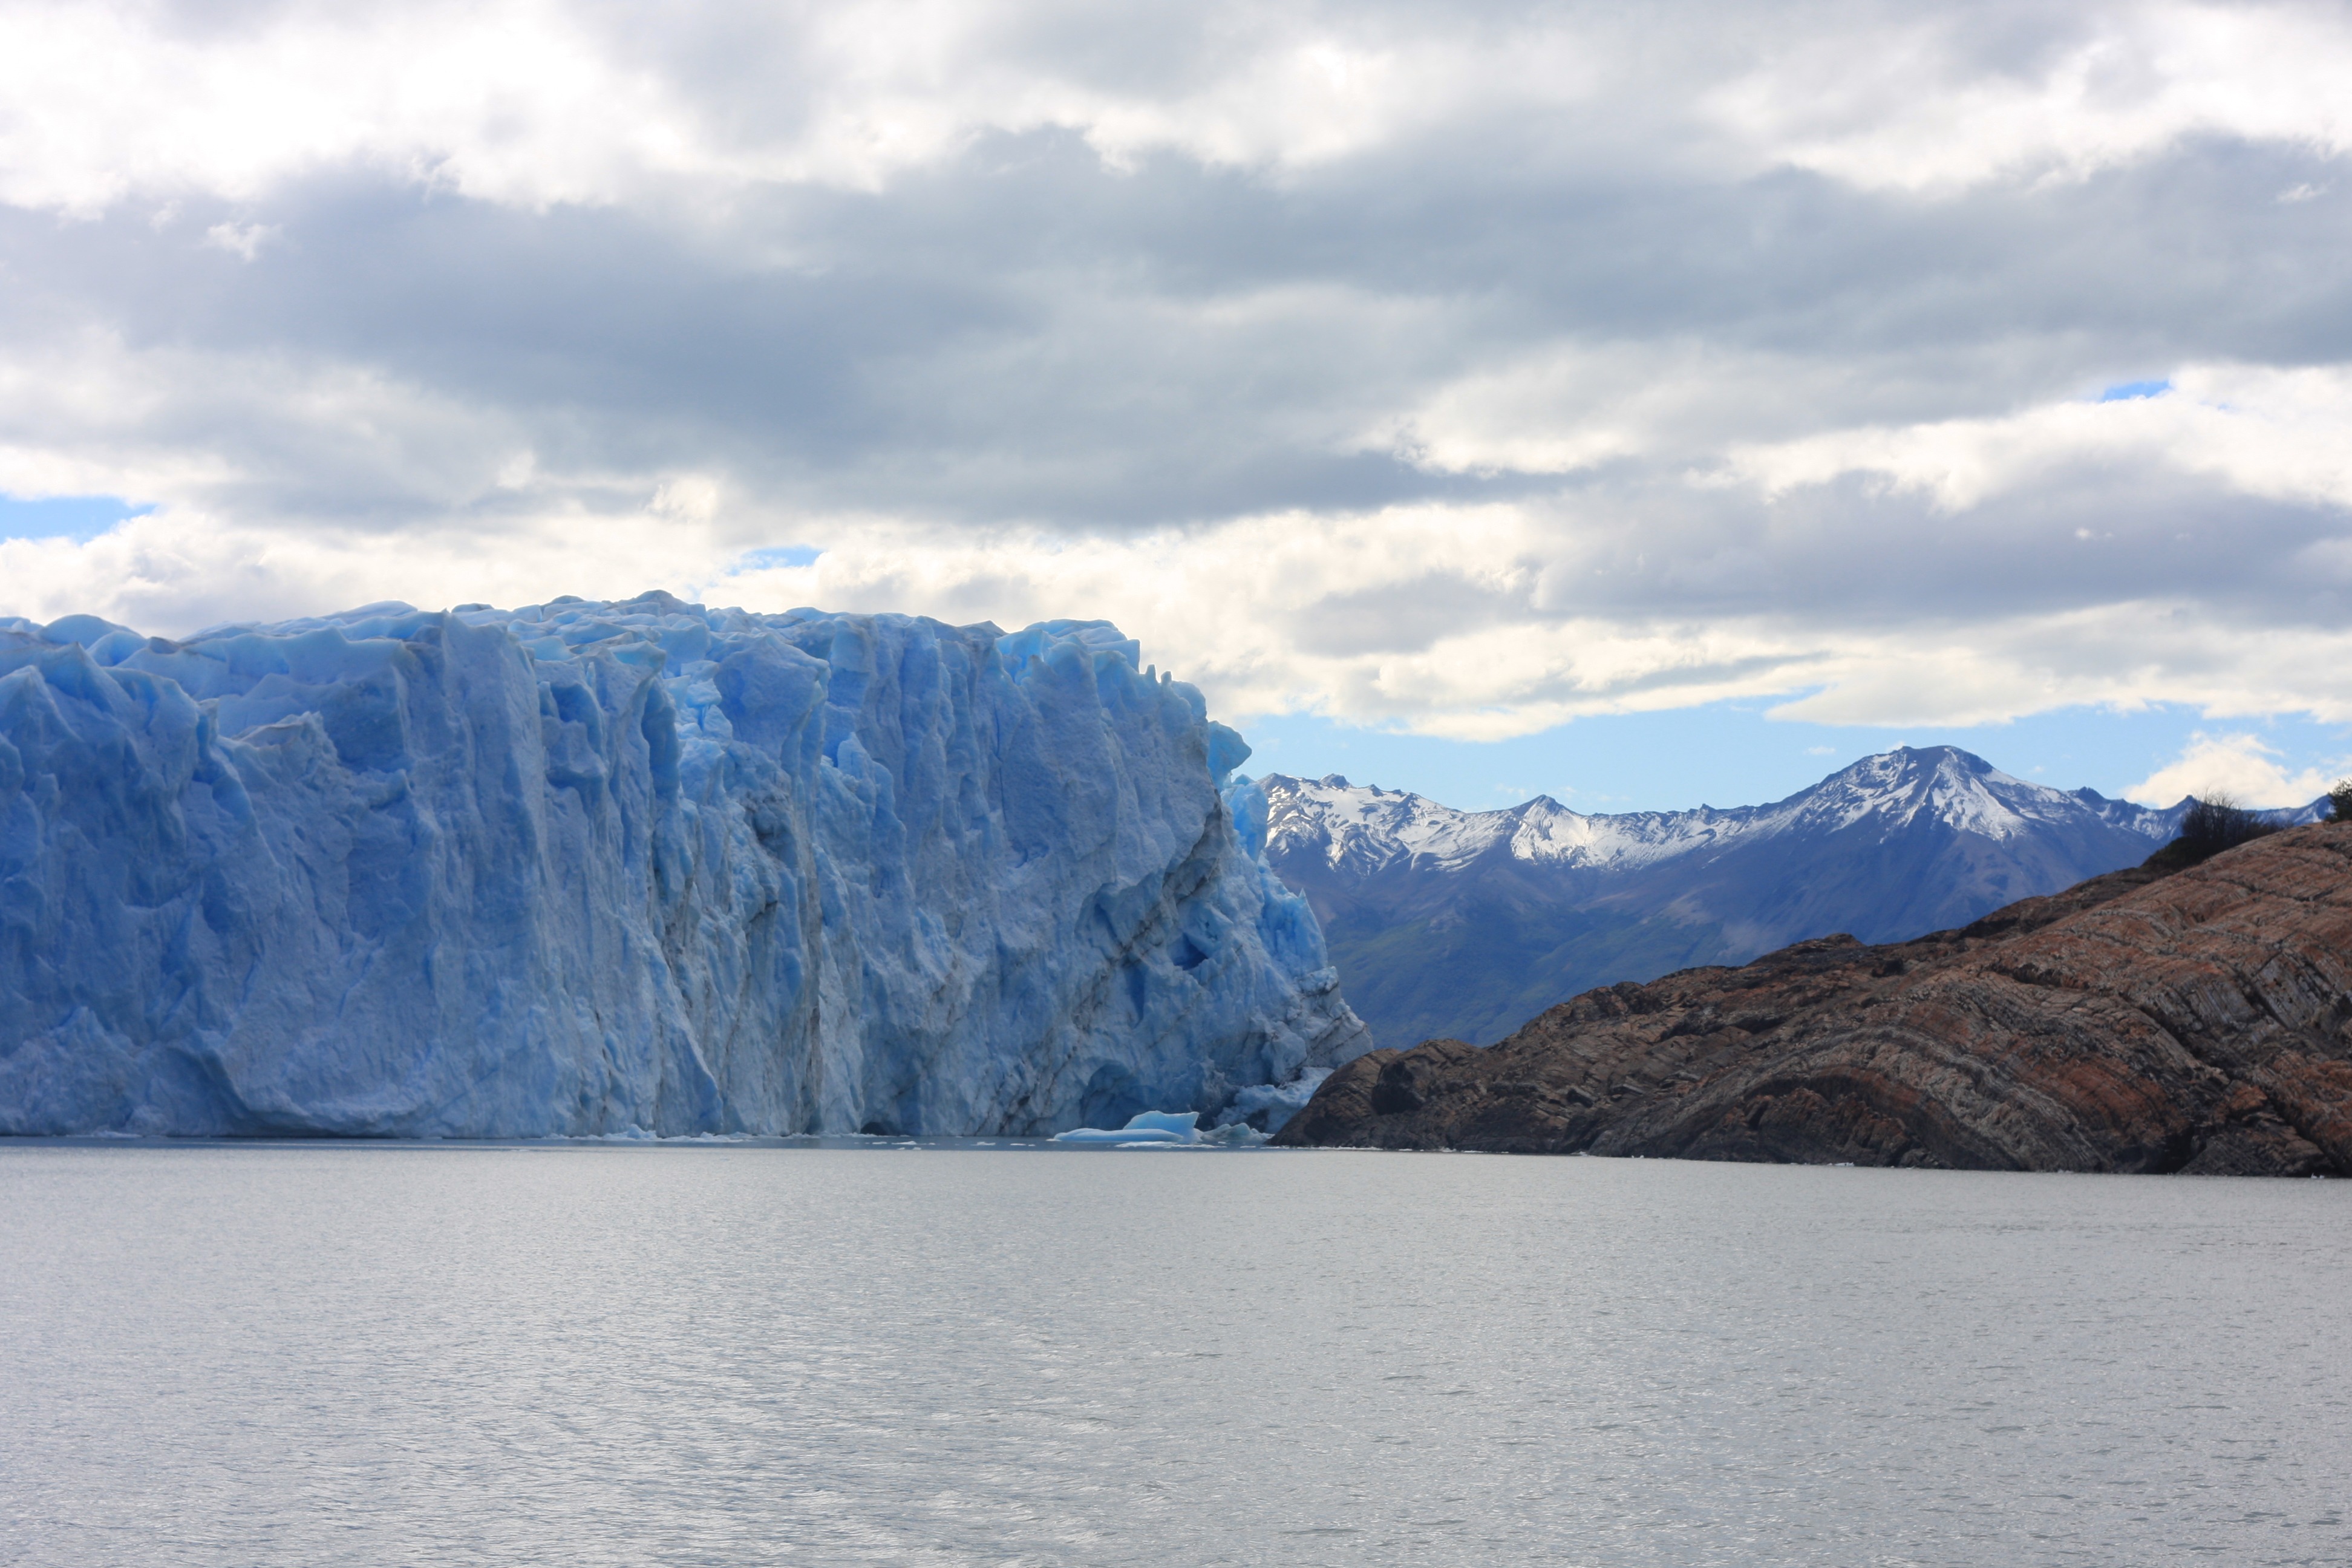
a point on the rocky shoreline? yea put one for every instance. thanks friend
(2198, 1022)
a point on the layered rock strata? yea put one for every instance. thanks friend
(2198, 1022)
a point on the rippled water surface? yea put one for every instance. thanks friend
(369, 1354)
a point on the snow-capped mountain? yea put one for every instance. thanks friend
(1467, 923)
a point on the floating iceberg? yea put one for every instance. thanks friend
(584, 869)
(1147, 1127)
(1181, 1130)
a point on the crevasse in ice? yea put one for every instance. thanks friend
(583, 867)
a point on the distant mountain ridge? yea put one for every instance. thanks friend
(1446, 923)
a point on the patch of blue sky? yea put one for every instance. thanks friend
(64, 517)
(773, 556)
(2124, 391)
(1731, 754)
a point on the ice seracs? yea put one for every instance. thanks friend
(584, 867)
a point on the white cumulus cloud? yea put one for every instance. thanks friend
(2239, 765)
(1465, 371)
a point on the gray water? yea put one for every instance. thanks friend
(373, 1354)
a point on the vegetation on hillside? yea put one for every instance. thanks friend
(2216, 822)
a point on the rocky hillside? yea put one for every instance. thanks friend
(2200, 1022)
(1467, 923)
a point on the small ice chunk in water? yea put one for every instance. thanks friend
(1147, 1128)
(1183, 1124)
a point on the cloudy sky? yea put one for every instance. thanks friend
(1634, 402)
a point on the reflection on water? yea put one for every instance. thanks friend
(871, 1353)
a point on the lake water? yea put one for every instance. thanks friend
(317, 1354)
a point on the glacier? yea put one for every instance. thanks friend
(588, 869)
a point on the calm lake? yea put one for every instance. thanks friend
(317, 1353)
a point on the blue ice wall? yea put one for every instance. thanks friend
(584, 867)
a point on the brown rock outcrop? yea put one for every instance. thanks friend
(2197, 1022)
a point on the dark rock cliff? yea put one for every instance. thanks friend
(2198, 1022)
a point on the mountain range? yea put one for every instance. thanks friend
(1466, 924)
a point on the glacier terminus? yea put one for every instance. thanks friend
(584, 867)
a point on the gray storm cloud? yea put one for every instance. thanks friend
(1463, 369)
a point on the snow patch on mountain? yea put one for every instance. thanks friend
(1469, 924)
(1368, 828)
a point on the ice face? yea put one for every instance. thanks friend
(1265, 1107)
(584, 867)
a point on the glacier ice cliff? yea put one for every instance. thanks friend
(583, 867)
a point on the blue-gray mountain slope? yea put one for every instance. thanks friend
(1466, 924)
(582, 868)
